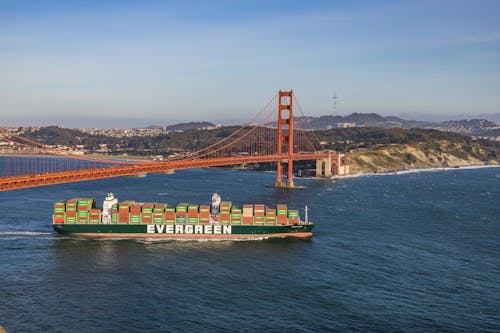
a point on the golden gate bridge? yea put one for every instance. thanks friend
(29, 163)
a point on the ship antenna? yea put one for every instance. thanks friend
(307, 218)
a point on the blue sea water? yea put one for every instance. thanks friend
(416, 252)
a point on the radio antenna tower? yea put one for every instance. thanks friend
(335, 97)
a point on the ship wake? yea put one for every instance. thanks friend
(23, 233)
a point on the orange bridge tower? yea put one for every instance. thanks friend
(285, 137)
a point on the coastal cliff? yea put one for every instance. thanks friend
(437, 154)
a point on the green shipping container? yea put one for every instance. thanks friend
(270, 221)
(204, 208)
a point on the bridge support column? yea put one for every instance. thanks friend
(323, 167)
(285, 137)
(334, 165)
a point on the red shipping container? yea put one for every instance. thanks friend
(282, 219)
(71, 213)
(169, 215)
(135, 209)
(293, 220)
(58, 220)
(148, 206)
(248, 220)
(123, 218)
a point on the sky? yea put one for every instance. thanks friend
(100, 63)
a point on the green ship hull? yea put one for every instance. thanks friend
(186, 231)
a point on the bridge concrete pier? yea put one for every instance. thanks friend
(333, 165)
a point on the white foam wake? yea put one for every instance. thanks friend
(402, 172)
(23, 233)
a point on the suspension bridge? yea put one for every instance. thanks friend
(29, 163)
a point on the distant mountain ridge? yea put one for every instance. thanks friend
(471, 127)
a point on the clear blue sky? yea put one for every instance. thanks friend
(139, 62)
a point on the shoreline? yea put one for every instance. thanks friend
(402, 172)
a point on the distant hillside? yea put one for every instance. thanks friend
(190, 126)
(357, 120)
(371, 149)
(367, 149)
(438, 154)
(472, 127)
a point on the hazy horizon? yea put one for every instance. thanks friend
(119, 63)
(105, 122)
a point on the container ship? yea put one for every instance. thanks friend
(218, 220)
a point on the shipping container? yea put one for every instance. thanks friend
(247, 220)
(169, 215)
(282, 219)
(161, 206)
(281, 209)
(181, 208)
(60, 207)
(248, 210)
(135, 209)
(59, 218)
(180, 219)
(236, 221)
(270, 220)
(225, 207)
(258, 220)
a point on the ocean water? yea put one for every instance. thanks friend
(415, 252)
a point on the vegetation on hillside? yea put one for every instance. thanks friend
(368, 149)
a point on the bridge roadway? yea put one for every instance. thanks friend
(19, 182)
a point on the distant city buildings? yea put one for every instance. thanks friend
(345, 125)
